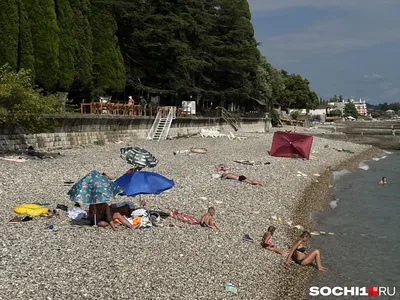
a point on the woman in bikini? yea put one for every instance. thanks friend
(300, 256)
(267, 242)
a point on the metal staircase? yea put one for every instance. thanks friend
(229, 118)
(162, 123)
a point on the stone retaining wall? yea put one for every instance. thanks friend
(78, 130)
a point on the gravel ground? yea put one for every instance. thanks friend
(161, 263)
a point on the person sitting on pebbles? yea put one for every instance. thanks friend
(207, 220)
(267, 242)
(383, 181)
(300, 256)
(105, 215)
(242, 178)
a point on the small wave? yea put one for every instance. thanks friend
(363, 166)
(338, 174)
(334, 203)
(379, 158)
(387, 152)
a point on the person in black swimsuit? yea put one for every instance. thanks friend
(242, 178)
(300, 256)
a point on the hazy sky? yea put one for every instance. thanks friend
(343, 47)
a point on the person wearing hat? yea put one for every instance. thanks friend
(131, 101)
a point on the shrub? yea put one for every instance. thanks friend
(24, 106)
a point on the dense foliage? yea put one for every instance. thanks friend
(172, 48)
(23, 106)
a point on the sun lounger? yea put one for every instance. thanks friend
(231, 136)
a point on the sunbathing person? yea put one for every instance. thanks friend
(300, 256)
(208, 220)
(267, 242)
(242, 178)
(105, 215)
(383, 181)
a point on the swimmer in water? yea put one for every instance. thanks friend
(383, 181)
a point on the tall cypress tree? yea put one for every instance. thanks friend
(68, 43)
(234, 50)
(9, 32)
(45, 41)
(26, 58)
(108, 64)
(83, 47)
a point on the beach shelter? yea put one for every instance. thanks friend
(286, 144)
(138, 157)
(94, 188)
(142, 182)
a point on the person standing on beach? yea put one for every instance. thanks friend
(267, 242)
(383, 181)
(300, 256)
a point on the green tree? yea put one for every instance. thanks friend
(108, 64)
(23, 106)
(83, 47)
(336, 112)
(297, 93)
(68, 44)
(350, 110)
(45, 39)
(268, 84)
(26, 58)
(234, 50)
(9, 17)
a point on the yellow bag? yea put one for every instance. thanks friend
(32, 210)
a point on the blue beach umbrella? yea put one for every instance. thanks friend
(143, 182)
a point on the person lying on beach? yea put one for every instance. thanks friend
(207, 220)
(383, 181)
(242, 178)
(131, 170)
(300, 256)
(105, 215)
(267, 242)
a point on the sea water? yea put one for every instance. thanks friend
(365, 219)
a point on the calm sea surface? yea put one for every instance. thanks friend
(365, 250)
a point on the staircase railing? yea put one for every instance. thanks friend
(154, 126)
(229, 118)
(170, 117)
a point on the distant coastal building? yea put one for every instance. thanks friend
(360, 105)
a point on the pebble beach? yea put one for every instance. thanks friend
(180, 262)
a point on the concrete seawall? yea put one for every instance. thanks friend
(75, 130)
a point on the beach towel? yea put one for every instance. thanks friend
(184, 217)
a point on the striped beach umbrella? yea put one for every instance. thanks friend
(138, 157)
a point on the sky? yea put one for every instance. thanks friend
(343, 47)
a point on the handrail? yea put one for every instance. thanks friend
(229, 118)
(154, 126)
(170, 117)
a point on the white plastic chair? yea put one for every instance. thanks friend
(231, 136)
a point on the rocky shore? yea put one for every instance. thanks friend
(185, 262)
